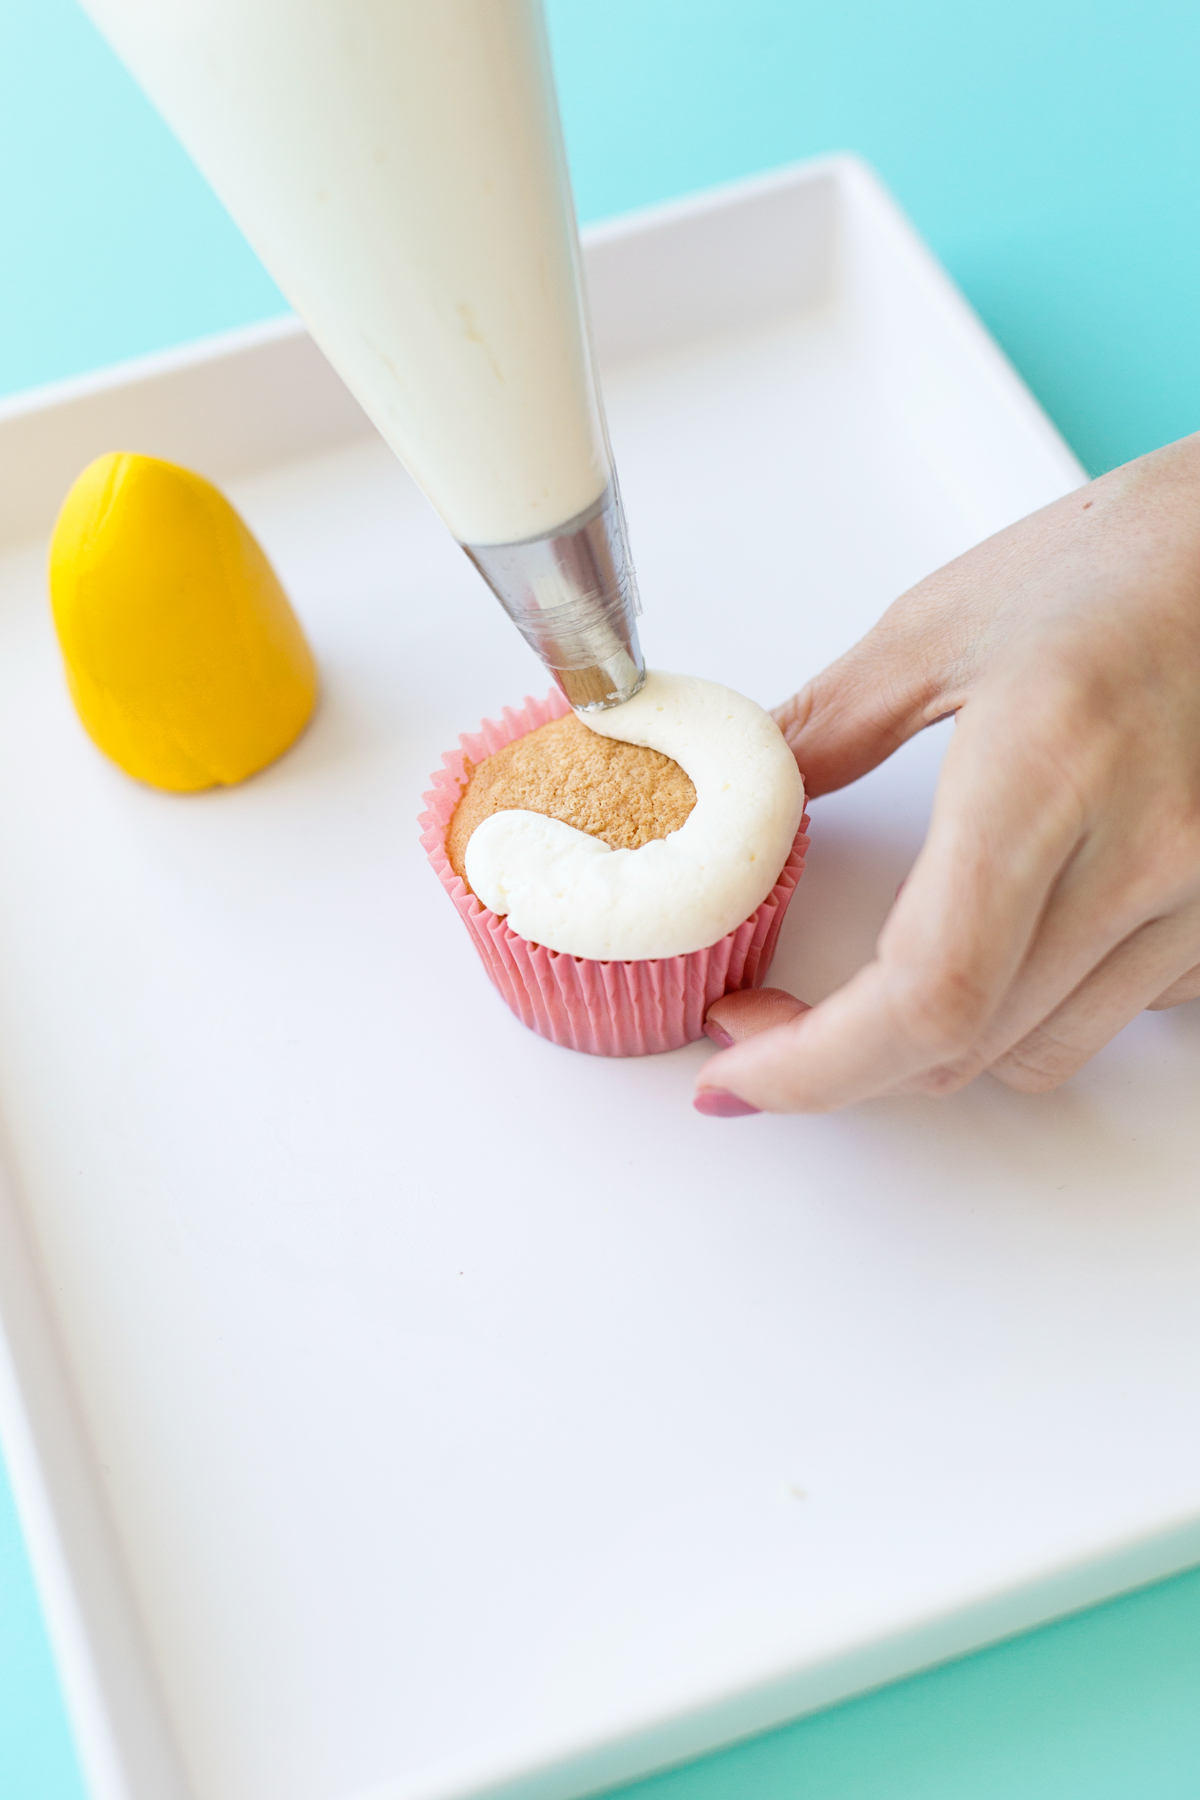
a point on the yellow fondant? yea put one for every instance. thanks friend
(184, 658)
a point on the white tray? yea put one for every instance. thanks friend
(401, 1407)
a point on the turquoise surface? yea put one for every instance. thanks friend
(1050, 153)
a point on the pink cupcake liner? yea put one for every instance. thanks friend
(603, 1008)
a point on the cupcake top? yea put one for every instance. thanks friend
(621, 793)
(650, 830)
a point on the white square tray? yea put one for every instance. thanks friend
(401, 1407)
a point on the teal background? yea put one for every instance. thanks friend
(1049, 151)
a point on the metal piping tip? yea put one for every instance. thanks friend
(573, 597)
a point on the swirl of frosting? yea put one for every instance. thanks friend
(572, 892)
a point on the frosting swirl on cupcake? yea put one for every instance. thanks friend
(572, 892)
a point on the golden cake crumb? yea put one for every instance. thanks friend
(618, 792)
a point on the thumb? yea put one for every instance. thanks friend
(873, 699)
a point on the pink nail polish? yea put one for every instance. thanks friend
(718, 1034)
(719, 1103)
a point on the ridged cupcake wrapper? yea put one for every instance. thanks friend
(603, 1008)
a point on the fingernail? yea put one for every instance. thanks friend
(718, 1034)
(719, 1103)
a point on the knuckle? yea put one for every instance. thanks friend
(1027, 1080)
(1036, 1065)
(943, 1017)
(948, 1078)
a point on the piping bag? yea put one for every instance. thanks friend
(398, 165)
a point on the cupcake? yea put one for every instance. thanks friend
(619, 871)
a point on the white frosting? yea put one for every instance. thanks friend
(571, 892)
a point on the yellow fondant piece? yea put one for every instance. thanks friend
(184, 658)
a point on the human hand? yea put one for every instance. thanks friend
(1058, 890)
